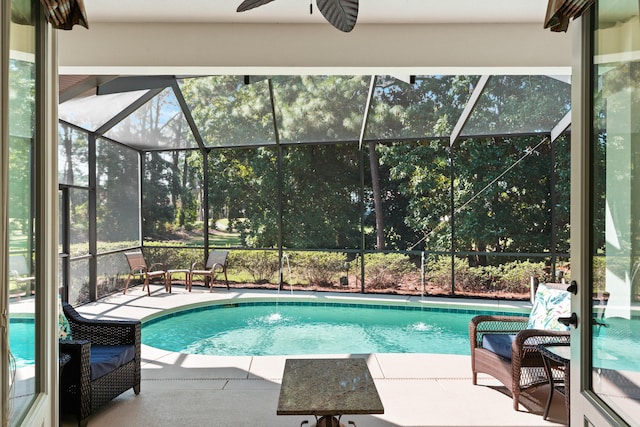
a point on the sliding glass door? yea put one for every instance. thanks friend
(607, 220)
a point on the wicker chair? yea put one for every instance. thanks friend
(93, 342)
(520, 368)
(216, 263)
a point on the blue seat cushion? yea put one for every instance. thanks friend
(499, 344)
(106, 358)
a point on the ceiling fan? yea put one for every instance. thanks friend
(342, 14)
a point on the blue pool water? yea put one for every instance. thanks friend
(290, 328)
(618, 345)
(293, 328)
(22, 341)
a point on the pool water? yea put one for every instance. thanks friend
(22, 341)
(617, 346)
(288, 329)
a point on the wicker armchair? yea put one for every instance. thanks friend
(519, 367)
(95, 341)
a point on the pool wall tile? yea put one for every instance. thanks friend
(405, 307)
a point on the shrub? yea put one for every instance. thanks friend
(513, 276)
(438, 271)
(173, 257)
(516, 275)
(319, 268)
(262, 265)
(599, 274)
(385, 270)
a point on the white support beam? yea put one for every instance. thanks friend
(179, 48)
(562, 126)
(471, 104)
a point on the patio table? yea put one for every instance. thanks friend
(328, 389)
(184, 271)
(557, 357)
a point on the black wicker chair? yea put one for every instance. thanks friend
(80, 394)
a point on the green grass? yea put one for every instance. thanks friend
(223, 239)
(222, 236)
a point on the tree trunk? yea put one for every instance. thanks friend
(482, 259)
(68, 157)
(175, 183)
(377, 197)
(185, 170)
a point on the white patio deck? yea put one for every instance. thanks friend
(190, 390)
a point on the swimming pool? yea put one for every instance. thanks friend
(617, 346)
(295, 328)
(22, 341)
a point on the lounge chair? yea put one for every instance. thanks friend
(505, 347)
(216, 263)
(138, 266)
(104, 363)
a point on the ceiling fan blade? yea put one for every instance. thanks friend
(251, 4)
(342, 14)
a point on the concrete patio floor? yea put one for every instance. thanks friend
(192, 390)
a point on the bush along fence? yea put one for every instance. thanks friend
(392, 273)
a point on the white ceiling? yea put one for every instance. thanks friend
(297, 11)
(202, 37)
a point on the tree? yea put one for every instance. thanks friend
(408, 181)
(117, 193)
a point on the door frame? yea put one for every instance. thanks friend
(586, 407)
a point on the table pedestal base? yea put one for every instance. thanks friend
(328, 421)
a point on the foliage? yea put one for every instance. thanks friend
(515, 276)
(173, 258)
(321, 200)
(117, 212)
(416, 197)
(599, 273)
(319, 209)
(438, 271)
(248, 181)
(20, 181)
(512, 276)
(501, 185)
(157, 211)
(386, 270)
(319, 268)
(262, 265)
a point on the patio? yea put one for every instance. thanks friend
(416, 389)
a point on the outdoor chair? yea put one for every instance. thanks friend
(19, 271)
(216, 263)
(138, 266)
(505, 347)
(104, 361)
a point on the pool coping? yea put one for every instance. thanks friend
(137, 305)
(463, 308)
